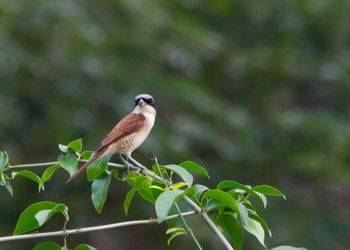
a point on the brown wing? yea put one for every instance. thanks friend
(128, 125)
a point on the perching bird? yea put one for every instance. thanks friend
(128, 134)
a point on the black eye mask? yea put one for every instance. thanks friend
(148, 101)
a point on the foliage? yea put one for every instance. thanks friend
(230, 204)
(267, 79)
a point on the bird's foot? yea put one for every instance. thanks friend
(126, 163)
(137, 164)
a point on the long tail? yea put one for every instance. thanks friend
(96, 157)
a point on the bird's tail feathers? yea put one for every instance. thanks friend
(86, 164)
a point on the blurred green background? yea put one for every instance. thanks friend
(256, 91)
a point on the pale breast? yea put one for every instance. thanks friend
(140, 136)
(129, 143)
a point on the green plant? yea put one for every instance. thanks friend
(227, 209)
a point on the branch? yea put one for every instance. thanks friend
(45, 164)
(34, 165)
(89, 229)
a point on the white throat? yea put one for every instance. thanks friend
(145, 110)
(148, 111)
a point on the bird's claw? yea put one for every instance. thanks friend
(127, 168)
(126, 163)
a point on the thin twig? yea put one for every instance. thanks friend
(116, 165)
(34, 165)
(88, 229)
(45, 164)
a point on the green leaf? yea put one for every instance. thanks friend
(44, 215)
(185, 175)
(243, 213)
(178, 185)
(236, 194)
(174, 236)
(84, 247)
(262, 222)
(254, 227)
(175, 229)
(222, 197)
(114, 173)
(288, 248)
(194, 167)
(235, 185)
(7, 185)
(47, 175)
(189, 191)
(47, 245)
(97, 168)
(99, 190)
(142, 184)
(76, 145)
(4, 160)
(86, 154)
(231, 226)
(68, 163)
(128, 199)
(268, 190)
(213, 204)
(38, 214)
(63, 148)
(156, 191)
(131, 177)
(200, 189)
(249, 206)
(147, 194)
(157, 188)
(29, 175)
(262, 197)
(164, 202)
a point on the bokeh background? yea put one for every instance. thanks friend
(256, 91)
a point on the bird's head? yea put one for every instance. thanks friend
(145, 103)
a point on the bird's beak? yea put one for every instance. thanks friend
(142, 103)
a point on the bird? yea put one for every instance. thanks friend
(128, 134)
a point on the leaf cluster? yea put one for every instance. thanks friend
(231, 205)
